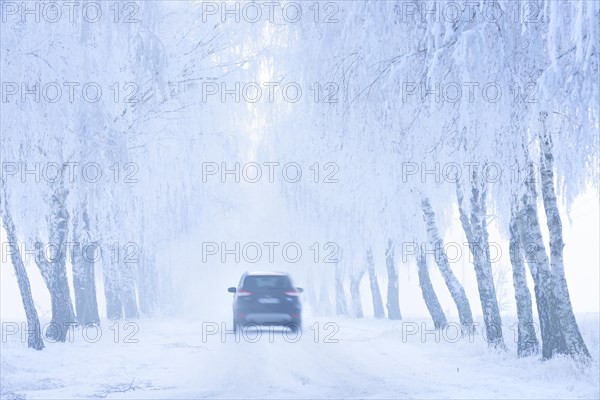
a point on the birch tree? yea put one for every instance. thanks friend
(34, 334)
(378, 311)
(457, 291)
(431, 301)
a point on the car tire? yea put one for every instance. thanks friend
(295, 326)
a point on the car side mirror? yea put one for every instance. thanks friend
(299, 289)
(231, 290)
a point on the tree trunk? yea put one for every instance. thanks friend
(456, 289)
(340, 295)
(431, 300)
(573, 339)
(533, 247)
(114, 307)
(527, 342)
(84, 285)
(147, 278)
(376, 293)
(128, 290)
(147, 288)
(52, 265)
(356, 305)
(393, 300)
(475, 229)
(34, 334)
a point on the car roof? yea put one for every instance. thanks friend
(276, 273)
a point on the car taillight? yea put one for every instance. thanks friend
(292, 293)
(242, 293)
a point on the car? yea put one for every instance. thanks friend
(266, 298)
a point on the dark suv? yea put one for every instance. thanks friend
(266, 298)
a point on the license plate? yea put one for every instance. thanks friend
(268, 300)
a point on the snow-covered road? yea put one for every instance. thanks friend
(348, 359)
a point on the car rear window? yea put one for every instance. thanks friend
(266, 282)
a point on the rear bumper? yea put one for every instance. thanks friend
(241, 311)
(249, 311)
(268, 318)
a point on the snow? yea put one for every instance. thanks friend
(372, 359)
(355, 118)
